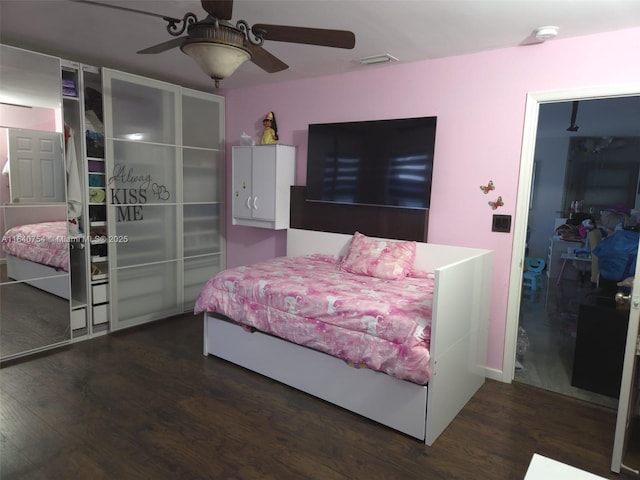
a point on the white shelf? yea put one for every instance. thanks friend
(77, 304)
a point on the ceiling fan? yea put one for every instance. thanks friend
(220, 47)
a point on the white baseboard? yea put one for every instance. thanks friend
(495, 374)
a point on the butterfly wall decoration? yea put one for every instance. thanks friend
(496, 204)
(488, 188)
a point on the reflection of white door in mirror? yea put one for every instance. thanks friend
(35, 316)
(36, 166)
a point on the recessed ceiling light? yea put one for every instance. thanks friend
(547, 33)
(382, 58)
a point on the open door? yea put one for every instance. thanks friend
(629, 386)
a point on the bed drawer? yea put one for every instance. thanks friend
(101, 314)
(100, 293)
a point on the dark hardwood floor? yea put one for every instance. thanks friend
(145, 403)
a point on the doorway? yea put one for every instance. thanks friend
(540, 184)
(583, 155)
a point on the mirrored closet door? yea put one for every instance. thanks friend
(34, 258)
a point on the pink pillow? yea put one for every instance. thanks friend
(379, 258)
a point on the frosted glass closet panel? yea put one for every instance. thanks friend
(202, 120)
(142, 112)
(203, 175)
(146, 293)
(143, 193)
(143, 173)
(151, 239)
(203, 190)
(197, 271)
(201, 229)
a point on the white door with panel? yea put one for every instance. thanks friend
(36, 166)
(262, 179)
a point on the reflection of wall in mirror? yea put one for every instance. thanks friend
(33, 118)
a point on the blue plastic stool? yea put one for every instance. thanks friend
(533, 269)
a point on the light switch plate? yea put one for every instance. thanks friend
(501, 223)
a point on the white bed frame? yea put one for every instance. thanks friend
(40, 276)
(458, 345)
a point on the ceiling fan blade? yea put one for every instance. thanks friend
(164, 46)
(221, 9)
(126, 9)
(265, 60)
(308, 36)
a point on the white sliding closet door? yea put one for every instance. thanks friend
(203, 176)
(165, 164)
(145, 194)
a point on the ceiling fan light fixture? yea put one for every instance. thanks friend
(546, 33)
(218, 60)
(382, 58)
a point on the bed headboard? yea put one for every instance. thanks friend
(429, 256)
(374, 221)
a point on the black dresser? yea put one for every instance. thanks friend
(600, 345)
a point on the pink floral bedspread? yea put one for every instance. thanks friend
(384, 325)
(44, 243)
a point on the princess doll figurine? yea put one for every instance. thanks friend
(270, 135)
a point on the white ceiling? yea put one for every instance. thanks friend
(410, 30)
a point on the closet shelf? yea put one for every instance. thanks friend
(77, 304)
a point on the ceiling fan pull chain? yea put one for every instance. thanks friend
(173, 27)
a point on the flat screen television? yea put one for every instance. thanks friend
(378, 162)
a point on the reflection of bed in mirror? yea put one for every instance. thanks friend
(39, 255)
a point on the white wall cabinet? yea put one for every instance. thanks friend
(261, 177)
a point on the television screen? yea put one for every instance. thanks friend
(379, 162)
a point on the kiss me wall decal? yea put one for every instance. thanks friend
(134, 189)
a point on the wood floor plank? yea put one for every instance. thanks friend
(145, 403)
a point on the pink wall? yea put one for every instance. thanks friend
(479, 100)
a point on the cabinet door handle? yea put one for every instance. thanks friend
(255, 203)
(248, 203)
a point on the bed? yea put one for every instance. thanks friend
(444, 367)
(38, 254)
